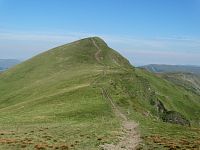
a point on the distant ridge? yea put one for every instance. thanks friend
(7, 63)
(157, 68)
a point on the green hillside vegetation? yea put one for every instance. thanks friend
(188, 81)
(55, 101)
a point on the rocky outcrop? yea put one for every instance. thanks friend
(170, 116)
(175, 117)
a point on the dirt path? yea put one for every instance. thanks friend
(96, 55)
(131, 138)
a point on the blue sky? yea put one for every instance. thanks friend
(144, 31)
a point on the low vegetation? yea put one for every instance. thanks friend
(55, 101)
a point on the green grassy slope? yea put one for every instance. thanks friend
(54, 100)
(55, 90)
(133, 91)
(188, 81)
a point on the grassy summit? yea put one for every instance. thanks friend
(47, 73)
(57, 100)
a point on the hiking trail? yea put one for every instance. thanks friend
(131, 138)
(96, 55)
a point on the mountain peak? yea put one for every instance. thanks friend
(86, 52)
(95, 38)
(91, 50)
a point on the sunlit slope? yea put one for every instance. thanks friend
(173, 97)
(158, 106)
(56, 90)
(188, 81)
(141, 91)
(56, 71)
(61, 90)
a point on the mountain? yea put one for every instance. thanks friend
(85, 95)
(7, 63)
(156, 68)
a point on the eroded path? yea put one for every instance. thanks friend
(131, 138)
(97, 54)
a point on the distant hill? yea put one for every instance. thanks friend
(189, 81)
(7, 63)
(86, 96)
(156, 68)
(186, 76)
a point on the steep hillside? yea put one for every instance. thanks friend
(52, 100)
(44, 73)
(156, 68)
(84, 95)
